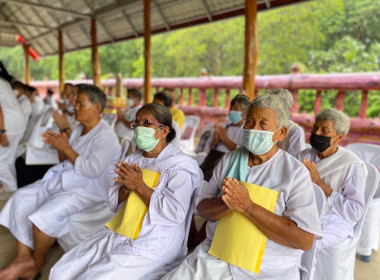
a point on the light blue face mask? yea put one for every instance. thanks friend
(258, 142)
(144, 137)
(234, 116)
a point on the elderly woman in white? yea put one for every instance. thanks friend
(38, 214)
(292, 227)
(160, 244)
(294, 141)
(339, 173)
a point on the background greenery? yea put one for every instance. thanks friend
(323, 36)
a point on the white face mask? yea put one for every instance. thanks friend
(258, 142)
(130, 102)
(16, 92)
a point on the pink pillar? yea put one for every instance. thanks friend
(294, 109)
(318, 102)
(202, 97)
(364, 105)
(228, 98)
(216, 101)
(190, 101)
(339, 104)
(181, 97)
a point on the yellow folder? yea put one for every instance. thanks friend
(129, 218)
(237, 240)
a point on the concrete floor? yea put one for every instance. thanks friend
(363, 271)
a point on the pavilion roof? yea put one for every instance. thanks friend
(38, 21)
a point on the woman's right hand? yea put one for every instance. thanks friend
(4, 140)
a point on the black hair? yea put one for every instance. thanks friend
(95, 94)
(135, 93)
(163, 116)
(164, 97)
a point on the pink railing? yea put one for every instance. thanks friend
(191, 89)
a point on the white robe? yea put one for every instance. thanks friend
(296, 201)
(346, 174)
(15, 125)
(161, 241)
(294, 141)
(65, 189)
(25, 105)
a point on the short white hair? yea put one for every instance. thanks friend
(284, 94)
(275, 103)
(340, 120)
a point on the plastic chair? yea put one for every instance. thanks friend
(369, 238)
(110, 119)
(126, 147)
(188, 133)
(338, 262)
(308, 256)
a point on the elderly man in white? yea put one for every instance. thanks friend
(160, 244)
(294, 224)
(38, 214)
(294, 141)
(339, 173)
(12, 127)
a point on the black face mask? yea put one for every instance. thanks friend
(319, 142)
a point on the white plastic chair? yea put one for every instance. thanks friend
(308, 256)
(126, 147)
(369, 238)
(188, 133)
(110, 119)
(338, 262)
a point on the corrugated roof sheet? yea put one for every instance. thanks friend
(38, 21)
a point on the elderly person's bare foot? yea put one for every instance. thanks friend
(19, 266)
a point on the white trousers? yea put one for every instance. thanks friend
(94, 259)
(7, 163)
(48, 211)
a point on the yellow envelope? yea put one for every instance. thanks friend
(237, 240)
(129, 218)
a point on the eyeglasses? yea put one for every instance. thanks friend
(145, 123)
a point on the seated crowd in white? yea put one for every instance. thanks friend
(250, 142)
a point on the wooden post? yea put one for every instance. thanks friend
(318, 102)
(339, 104)
(251, 48)
(228, 98)
(295, 106)
(61, 62)
(190, 101)
(119, 85)
(181, 97)
(147, 53)
(95, 55)
(202, 97)
(216, 101)
(364, 105)
(26, 64)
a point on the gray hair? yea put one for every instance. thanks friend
(284, 94)
(276, 104)
(243, 100)
(95, 95)
(340, 120)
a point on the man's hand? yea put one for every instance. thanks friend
(236, 196)
(4, 140)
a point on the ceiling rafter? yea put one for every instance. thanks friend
(207, 10)
(161, 14)
(47, 8)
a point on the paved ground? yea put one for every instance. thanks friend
(363, 271)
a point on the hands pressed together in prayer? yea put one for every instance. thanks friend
(220, 132)
(236, 196)
(315, 177)
(58, 141)
(130, 176)
(60, 119)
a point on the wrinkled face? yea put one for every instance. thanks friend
(324, 128)
(85, 111)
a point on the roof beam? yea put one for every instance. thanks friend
(130, 23)
(207, 10)
(267, 3)
(47, 8)
(161, 14)
(18, 23)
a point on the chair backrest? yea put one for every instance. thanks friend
(371, 185)
(189, 127)
(368, 153)
(126, 147)
(110, 119)
(203, 137)
(308, 256)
